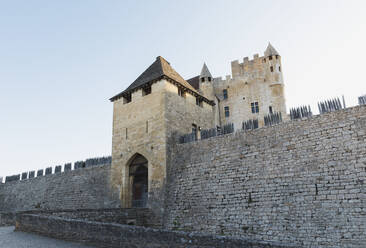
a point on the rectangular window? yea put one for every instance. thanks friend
(202, 79)
(271, 68)
(225, 93)
(209, 79)
(126, 133)
(270, 110)
(181, 92)
(279, 68)
(147, 126)
(146, 91)
(270, 57)
(227, 111)
(127, 98)
(255, 107)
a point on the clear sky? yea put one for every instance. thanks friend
(60, 61)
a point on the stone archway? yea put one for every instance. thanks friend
(138, 180)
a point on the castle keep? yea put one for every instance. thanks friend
(160, 103)
(187, 169)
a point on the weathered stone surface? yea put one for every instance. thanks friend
(67, 167)
(301, 182)
(58, 169)
(140, 127)
(31, 174)
(40, 173)
(124, 236)
(127, 216)
(24, 175)
(86, 188)
(7, 219)
(48, 171)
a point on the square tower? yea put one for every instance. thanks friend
(158, 104)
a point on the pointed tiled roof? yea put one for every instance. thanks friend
(158, 70)
(195, 82)
(205, 72)
(270, 50)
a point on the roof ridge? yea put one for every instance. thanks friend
(159, 69)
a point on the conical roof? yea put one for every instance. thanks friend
(157, 70)
(205, 72)
(270, 51)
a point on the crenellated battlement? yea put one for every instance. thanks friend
(99, 161)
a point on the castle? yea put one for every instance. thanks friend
(160, 102)
(297, 183)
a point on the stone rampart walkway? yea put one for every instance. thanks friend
(11, 239)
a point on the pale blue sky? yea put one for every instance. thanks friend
(60, 61)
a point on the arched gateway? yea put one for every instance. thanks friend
(139, 181)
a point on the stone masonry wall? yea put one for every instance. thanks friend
(127, 216)
(76, 189)
(123, 236)
(301, 182)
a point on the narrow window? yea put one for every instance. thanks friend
(225, 93)
(194, 131)
(209, 79)
(126, 133)
(271, 68)
(127, 98)
(147, 126)
(227, 111)
(255, 107)
(270, 110)
(199, 101)
(202, 79)
(264, 60)
(146, 91)
(181, 92)
(270, 57)
(279, 68)
(276, 56)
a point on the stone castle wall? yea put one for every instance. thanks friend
(301, 182)
(74, 189)
(109, 235)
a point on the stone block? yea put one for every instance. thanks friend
(48, 170)
(58, 169)
(24, 175)
(40, 173)
(32, 174)
(67, 167)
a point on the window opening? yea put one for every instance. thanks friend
(181, 92)
(199, 101)
(255, 107)
(227, 111)
(195, 131)
(225, 93)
